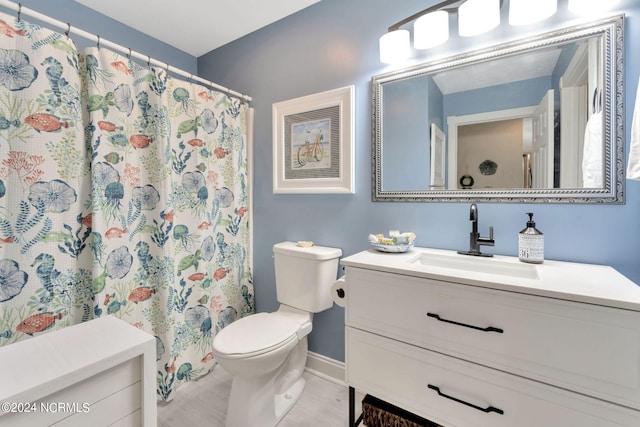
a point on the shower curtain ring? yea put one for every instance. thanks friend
(148, 62)
(129, 55)
(167, 69)
(66, 33)
(19, 11)
(98, 41)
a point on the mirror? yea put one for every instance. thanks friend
(539, 120)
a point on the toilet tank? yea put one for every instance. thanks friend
(304, 275)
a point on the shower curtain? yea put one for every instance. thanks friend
(123, 192)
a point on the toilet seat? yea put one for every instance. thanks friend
(257, 334)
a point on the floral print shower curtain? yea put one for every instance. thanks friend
(137, 208)
(45, 181)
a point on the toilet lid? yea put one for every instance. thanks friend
(256, 333)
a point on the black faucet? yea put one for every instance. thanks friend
(475, 241)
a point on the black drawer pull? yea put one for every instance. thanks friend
(487, 410)
(488, 329)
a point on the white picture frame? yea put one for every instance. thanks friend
(313, 143)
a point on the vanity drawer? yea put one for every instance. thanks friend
(428, 383)
(587, 348)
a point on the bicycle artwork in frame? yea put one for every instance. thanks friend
(313, 144)
(311, 155)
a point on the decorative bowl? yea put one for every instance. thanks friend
(392, 248)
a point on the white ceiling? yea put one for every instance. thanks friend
(197, 26)
(510, 69)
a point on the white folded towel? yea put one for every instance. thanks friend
(633, 168)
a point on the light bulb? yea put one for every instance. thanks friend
(478, 16)
(395, 46)
(431, 30)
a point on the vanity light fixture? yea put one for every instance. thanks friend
(395, 45)
(587, 7)
(523, 12)
(431, 26)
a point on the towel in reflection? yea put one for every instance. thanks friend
(592, 158)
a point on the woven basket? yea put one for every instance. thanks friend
(378, 413)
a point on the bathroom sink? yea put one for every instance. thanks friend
(470, 264)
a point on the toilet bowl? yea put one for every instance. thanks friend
(266, 352)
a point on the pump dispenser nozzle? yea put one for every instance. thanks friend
(530, 223)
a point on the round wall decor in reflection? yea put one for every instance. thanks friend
(488, 167)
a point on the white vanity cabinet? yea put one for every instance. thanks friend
(462, 346)
(97, 373)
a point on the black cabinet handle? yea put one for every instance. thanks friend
(487, 410)
(488, 329)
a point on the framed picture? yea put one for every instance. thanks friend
(313, 143)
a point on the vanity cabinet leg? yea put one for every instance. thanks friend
(352, 409)
(352, 401)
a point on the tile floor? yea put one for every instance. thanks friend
(204, 403)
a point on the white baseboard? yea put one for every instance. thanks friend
(325, 367)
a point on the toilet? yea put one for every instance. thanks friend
(266, 353)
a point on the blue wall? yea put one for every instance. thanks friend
(410, 107)
(87, 19)
(524, 93)
(406, 106)
(334, 43)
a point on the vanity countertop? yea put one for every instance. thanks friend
(588, 283)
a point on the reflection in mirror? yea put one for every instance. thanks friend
(538, 120)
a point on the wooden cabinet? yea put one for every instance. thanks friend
(465, 355)
(97, 373)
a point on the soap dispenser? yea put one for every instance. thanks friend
(531, 243)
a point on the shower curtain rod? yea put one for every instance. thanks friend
(68, 29)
